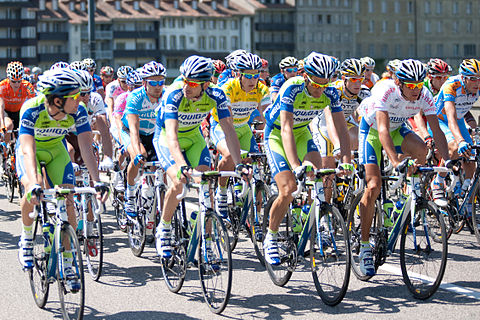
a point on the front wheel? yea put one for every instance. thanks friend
(476, 214)
(255, 221)
(71, 286)
(423, 251)
(215, 263)
(38, 274)
(93, 248)
(330, 256)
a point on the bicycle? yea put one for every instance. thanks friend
(52, 236)
(323, 227)
(89, 233)
(9, 176)
(422, 232)
(149, 193)
(189, 245)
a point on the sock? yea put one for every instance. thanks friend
(222, 190)
(165, 223)
(364, 245)
(130, 191)
(272, 232)
(27, 231)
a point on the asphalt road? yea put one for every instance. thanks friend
(133, 288)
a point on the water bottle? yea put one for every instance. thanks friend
(388, 212)
(305, 211)
(191, 222)
(297, 219)
(48, 232)
(458, 188)
(465, 186)
(237, 190)
(398, 207)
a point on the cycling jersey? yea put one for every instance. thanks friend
(14, 100)
(97, 83)
(120, 103)
(95, 106)
(113, 90)
(189, 115)
(369, 83)
(139, 103)
(276, 83)
(225, 76)
(294, 98)
(243, 103)
(386, 96)
(454, 90)
(349, 105)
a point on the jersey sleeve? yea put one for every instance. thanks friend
(428, 105)
(81, 120)
(221, 101)
(334, 96)
(96, 104)
(134, 103)
(27, 121)
(450, 91)
(288, 96)
(171, 104)
(277, 82)
(119, 104)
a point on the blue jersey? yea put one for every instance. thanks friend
(97, 83)
(138, 103)
(190, 114)
(276, 83)
(225, 76)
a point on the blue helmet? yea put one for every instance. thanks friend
(86, 81)
(197, 68)
(411, 70)
(320, 65)
(123, 71)
(58, 82)
(248, 61)
(470, 67)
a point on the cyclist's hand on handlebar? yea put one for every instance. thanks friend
(102, 191)
(184, 174)
(347, 169)
(139, 159)
(244, 170)
(464, 148)
(33, 194)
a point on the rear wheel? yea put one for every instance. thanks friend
(330, 256)
(255, 221)
(93, 249)
(423, 251)
(38, 275)
(120, 216)
(281, 274)
(476, 214)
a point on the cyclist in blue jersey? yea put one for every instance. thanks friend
(139, 125)
(288, 69)
(179, 143)
(45, 120)
(230, 71)
(97, 80)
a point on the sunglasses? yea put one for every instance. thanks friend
(318, 85)
(440, 77)
(250, 76)
(83, 94)
(15, 81)
(193, 84)
(73, 96)
(291, 69)
(412, 86)
(472, 78)
(355, 79)
(155, 83)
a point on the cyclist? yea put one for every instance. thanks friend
(178, 140)
(139, 125)
(219, 68)
(13, 93)
(370, 77)
(247, 96)
(45, 120)
(288, 69)
(115, 88)
(36, 71)
(97, 81)
(264, 74)
(230, 63)
(455, 98)
(390, 68)
(288, 141)
(324, 133)
(106, 74)
(383, 125)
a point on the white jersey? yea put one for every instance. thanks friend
(113, 90)
(95, 106)
(386, 96)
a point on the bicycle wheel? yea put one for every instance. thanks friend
(256, 223)
(423, 251)
(281, 274)
(38, 275)
(93, 249)
(20, 188)
(330, 256)
(72, 301)
(354, 234)
(175, 267)
(10, 186)
(476, 214)
(120, 216)
(137, 235)
(215, 264)
(233, 222)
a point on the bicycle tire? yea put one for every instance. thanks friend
(174, 268)
(257, 231)
(94, 257)
(233, 222)
(137, 235)
(20, 188)
(414, 258)
(217, 268)
(475, 222)
(354, 234)
(330, 233)
(38, 274)
(10, 187)
(281, 273)
(66, 297)
(120, 216)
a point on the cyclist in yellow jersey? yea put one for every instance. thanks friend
(247, 96)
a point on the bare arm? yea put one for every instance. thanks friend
(134, 128)
(2, 113)
(85, 140)
(331, 128)
(286, 131)
(27, 143)
(383, 125)
(452, 121)
(422, 128)
(103, 128)
(340, 125)
(470, 120)
(231, 139)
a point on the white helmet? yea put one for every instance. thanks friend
(197, 68)
(288, 62)
(58, 82)
(152, 69)
(86, 81)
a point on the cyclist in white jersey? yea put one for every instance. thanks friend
(391, 104)
(115, 88)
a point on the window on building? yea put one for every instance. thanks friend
(428, 50)
(359, 50)
(469, 26)
(202, 43)
(455, 7)
(427, 26)
(427, 7)
(234, 25)
(410, 7)
(384, 26)
(357, 6)
(181, 23)
(183, 42)
(120, 45)
(173, 42)
(191, 40)
(212, 24)
(455, 26)
(468, 8)
(370, 6)
(398, 51)
(396, 6)
(440, 50)
(371, 26)
(397, 26)
(384, 6)
(329, 19)
(222, 24)
(439, 26)
(371, 50)
(439, 7)
(141, 46)
(358, 27)
(469, 50)
(171, 23)
(163, 42)
(456, 50)
(384, 50)
(203, 24)
(410, 26)
(234, 43)
(320, 19)
(411, 50)
(212, 43)
(222, 43)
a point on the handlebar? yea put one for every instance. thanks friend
(213, 174)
